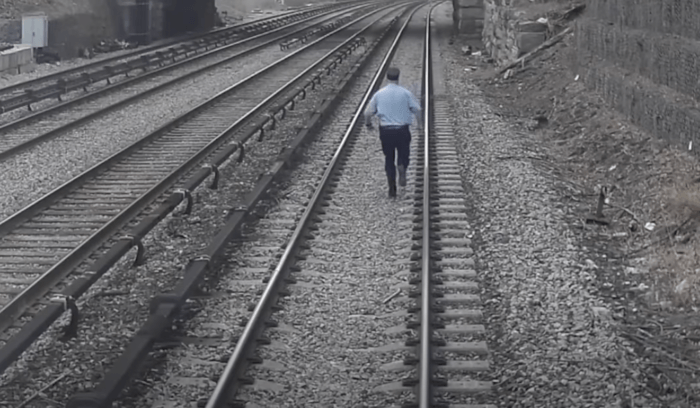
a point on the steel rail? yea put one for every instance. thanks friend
(62, 268)
(22, 146)
(145, 62)
(426, 372)
(39, 323)
(165, 307)
(69, 84)
(236, 365)
(176, 41)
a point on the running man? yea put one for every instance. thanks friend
(395, 107)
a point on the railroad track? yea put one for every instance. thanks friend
(29, 131)
(444, 357)
(165, 307)
(443, 331)
(59, 84)
(303, 250)
(43, 246)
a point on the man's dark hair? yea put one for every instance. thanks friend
(392, 74)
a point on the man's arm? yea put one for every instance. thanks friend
(415, 108)
(371, 111)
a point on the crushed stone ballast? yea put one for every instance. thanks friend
(26, 93)
(41, 246)
(94, 100)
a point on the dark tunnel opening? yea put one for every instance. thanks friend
(148, 20)
(138, 25)
(180, 17)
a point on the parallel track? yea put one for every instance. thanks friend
(42, 244)
(29, 131)
(441, 277)
(165, 307)
(54, 85)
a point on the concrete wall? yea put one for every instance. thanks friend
(644, 58)
(16, 60)
(181, 16)
(131, 16)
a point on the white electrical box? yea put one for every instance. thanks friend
(35, 30)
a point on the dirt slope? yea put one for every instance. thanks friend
(647, 253)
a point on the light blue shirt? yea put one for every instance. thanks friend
(394, 105)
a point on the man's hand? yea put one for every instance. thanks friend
(419, 125)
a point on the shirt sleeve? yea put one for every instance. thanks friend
(371, 108)
(413, 104)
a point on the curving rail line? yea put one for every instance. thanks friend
(441, 266)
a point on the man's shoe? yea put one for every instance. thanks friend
(402, 176)
(392, 188)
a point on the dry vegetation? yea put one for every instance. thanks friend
(647, 256)
(676, 260)
(653, 199)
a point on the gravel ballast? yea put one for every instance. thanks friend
(335, 323)
(322, 352)
(116, 307)
(7, 79)
(551, 339)
(36, 172)
(218, 55)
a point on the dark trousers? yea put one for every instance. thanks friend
(395, 140)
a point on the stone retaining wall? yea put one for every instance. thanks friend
(508, 33)
(644, 58)
(469, 16)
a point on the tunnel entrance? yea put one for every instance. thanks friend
(180, 17)
(183, 16)
(137, 20)
(145, 21)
